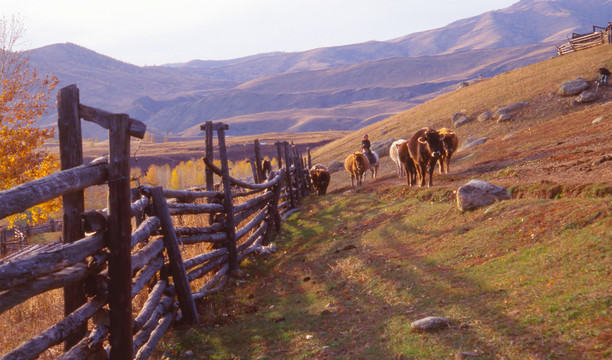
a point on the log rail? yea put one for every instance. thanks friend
(115, 263)
(585, 41)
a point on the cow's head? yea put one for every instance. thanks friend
(360, 160)
(433, 142)
(447, 145)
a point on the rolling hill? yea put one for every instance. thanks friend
(343, 87)
(523, 278)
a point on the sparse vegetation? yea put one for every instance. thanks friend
(526, 278)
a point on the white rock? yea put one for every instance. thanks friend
(430, 323)
(480, 193)
(573, 87)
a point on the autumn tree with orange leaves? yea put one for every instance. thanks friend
(24, 98)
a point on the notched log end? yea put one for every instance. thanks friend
(94, 221)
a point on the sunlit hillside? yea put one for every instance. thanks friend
(536, 84)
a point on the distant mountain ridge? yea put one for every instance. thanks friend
(341, 88)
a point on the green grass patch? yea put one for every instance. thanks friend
(526, 278)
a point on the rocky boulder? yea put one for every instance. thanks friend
(335, 166)
(510, 108)
(430, 323)
(504, 118)
(586, 97)
(480, 193)
(485, 116)
(573, 87)
(459, 120)
(471, 142)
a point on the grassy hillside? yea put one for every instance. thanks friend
(536, 84)
(526, 278)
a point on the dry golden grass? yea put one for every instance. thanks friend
(29, 319)
(532, 83)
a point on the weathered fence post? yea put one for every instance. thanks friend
(260, 173)
(183, 291)
(208, 129)
(119, 237)
(289, 176)
(309, 158)
(71, 155)
(254, 170)
(279, 154)
(227, 201)
(3, 246)
(209, 154)
(277, 191)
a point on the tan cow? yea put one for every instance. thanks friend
(356, 164)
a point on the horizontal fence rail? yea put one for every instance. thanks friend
(585, 41)
(105, 264)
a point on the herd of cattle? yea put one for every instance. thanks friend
(415, 157)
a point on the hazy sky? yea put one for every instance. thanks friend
(154, 32)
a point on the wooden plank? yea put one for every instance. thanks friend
(177, 269)
(24, 196)
(136, 128)
(227, 202)
(119, 236)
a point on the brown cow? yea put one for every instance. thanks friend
(356, 164)
(320, 178)
(450, 144)
(425, 148)
(408, 164)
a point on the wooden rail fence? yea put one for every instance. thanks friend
(114, 263)
(600, 35)
(15, 239)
